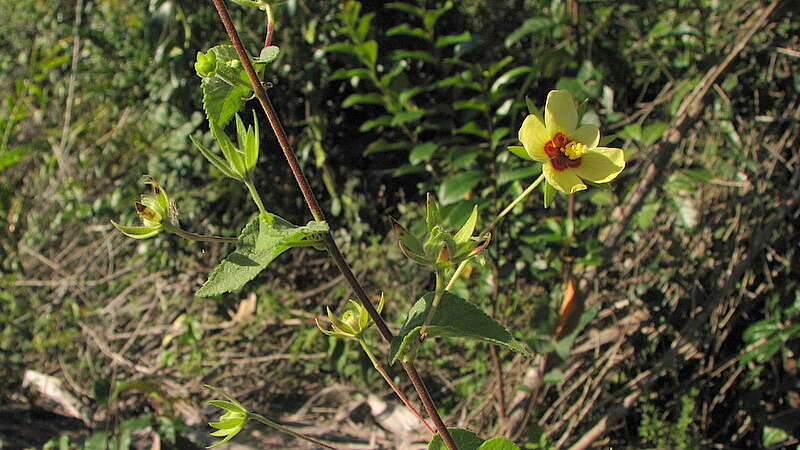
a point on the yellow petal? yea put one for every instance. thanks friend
(533, 136)
(588, 135)
(560, 114)
(563, 180)
(601, 164)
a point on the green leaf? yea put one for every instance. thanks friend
(454, 39)
(498, 443)
(381, 121)
(508, 176)
(465, 440)
(520, 151)
(653, 132)
(361, 99)
(422, 152)
(454, 187)
(465, 233)
(226, 86)
(411, 9)
(530, 26)
(773, 436)
(13, 156)
(408, 116)
(369, 52)
(509, 77)
(268, 54)
(261, 241)
(406, 30)
(455, 317)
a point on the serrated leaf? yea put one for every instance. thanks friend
(261, 241)
(465, 440)
(455, 317)
(226, 87)
(498, 443)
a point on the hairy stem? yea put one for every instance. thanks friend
(197, 237)
(256, 197)
(494, 223)
(379, 367)
(316, 212)
(283, 429)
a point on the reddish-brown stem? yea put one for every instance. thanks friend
(316, 212)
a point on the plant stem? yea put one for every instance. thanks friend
(316, 212)
(511, 205)
(256, 197)
(437, 297)
(391, 383)
(283, 429)
(197, 237)
(494, 223)
(270, 26)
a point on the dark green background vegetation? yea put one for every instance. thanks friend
(698, 289)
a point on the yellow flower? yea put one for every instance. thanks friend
(568, 152)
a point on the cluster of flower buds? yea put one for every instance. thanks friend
(442, 249)
(353, 322)
(153, 209)
(239, 161)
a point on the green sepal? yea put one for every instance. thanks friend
(218, 162)
(432, 217)
(251, 144)
(158, 192)
(138, 232)
(465, 233)
(520, 151)
(548, 193)
(231, 153)
(146, 211)
(454, 317)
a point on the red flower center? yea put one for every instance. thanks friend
(555, 150)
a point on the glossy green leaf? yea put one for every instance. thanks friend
(381, 121)
(261, 241)
(405, 117)
(455, 187)
(465, 440)
(455, 317)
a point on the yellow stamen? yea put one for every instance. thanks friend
(574, 150)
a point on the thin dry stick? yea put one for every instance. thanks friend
(318, 215)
